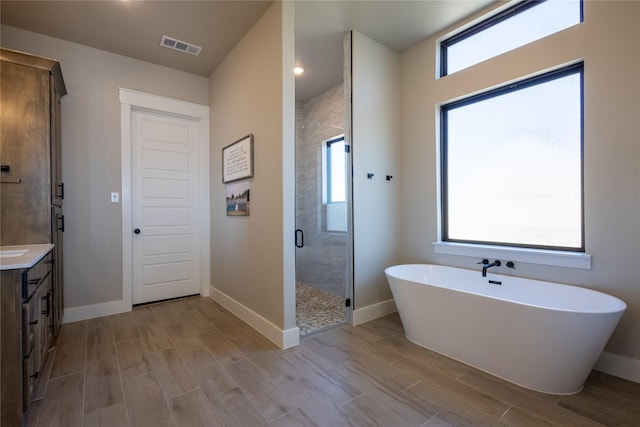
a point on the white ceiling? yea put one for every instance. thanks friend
(134, 28)
(397, 24)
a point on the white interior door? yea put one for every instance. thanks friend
(164, 197)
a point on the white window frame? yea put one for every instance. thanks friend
(331, 209)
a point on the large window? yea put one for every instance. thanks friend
(511, 164)
(516, 26)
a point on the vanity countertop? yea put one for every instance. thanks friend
(22, 256)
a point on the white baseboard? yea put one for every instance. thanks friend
(365, 314)
(619, 366)
(91, 311)
(75, 314)
(282, 338)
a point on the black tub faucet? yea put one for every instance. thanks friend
(486, 265)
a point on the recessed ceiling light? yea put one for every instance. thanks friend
(298, 70)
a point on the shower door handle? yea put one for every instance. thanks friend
(299, 238)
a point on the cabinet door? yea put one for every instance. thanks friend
(24, 146)
(11, 347)
(46, 319)
(57, 298)
(57, 186)
(32, 336)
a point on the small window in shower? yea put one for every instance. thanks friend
(334, 190)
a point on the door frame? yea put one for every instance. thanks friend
(131, 100)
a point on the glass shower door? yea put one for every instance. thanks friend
(322, 226)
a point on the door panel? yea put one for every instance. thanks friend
(165, 206)
(158, 216)
(165, 245)
(322, 237)
(158, 187)
(159, 273)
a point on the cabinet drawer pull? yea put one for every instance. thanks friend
(28, 356)
(61, 187)
(33, 322)
(48, 309)
(35, 281)
(35, 375)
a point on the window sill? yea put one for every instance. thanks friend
(506, 253)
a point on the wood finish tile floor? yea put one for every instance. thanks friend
(192, 363)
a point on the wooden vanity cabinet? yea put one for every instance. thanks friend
(26, 338)
(32, 191)
(37, 328)
(31, 202)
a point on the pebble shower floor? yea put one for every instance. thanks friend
(316, 309)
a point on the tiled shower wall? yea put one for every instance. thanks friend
(322, 261)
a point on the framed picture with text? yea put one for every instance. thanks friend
(237, 160)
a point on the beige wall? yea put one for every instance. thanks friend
(608, 42)
(376, 132)
(252, 257)
(91, 153)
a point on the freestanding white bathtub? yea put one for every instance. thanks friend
(540, 335)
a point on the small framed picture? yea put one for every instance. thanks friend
(237, 160)
(238, 199)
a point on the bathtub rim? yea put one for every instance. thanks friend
(621, 306)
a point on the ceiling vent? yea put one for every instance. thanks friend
(172, 43)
